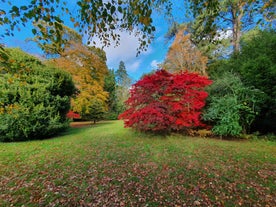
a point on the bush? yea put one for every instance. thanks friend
(232, 107)
(34, 103)
(164, 102)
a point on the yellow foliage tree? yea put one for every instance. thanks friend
(88, 70)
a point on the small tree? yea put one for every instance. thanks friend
(96, 110)
(163, 102)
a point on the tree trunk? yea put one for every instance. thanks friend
(237, 14)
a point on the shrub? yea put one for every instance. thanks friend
(232, 106)
(34, 103)
(163, 102)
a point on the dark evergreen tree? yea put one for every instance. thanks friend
(121, 75)
(256, 65)
(123, 84)
(110, 87)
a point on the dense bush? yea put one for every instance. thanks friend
(232, 106)
(165, 102)
(242, 98)
(34, 101)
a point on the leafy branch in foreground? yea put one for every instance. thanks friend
(96, 18)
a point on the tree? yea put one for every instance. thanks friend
(165, 102)
(96, 110)
(184, 55)
(97, 18)
(16, 61)
(256, 64)
(34, 99)
(50, 45)
(212, 50)
(110, 87)
(212, 18)
(123, 83)
(122, 77)
(87, 65)
(88, 71)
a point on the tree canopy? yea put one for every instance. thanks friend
(163, 102)
(95, 18)
(184, 55)
(88, 71)
(213, 18)
(105, 19)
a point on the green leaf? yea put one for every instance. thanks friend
(113, 9)
(34, 31)
(120, 9)
(23, 8)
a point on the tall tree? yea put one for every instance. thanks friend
(123, 84)
(212, 18)
(122, 77)
(184, 55)
(87, 65)
(212, 50)
(88, 71)
(256, 65)
(110, 87)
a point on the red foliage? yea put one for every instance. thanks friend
(166, 102)
(73, 115)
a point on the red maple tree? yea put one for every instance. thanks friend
(165, 102)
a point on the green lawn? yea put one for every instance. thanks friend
(108, 165)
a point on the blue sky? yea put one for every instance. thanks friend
(126, 51)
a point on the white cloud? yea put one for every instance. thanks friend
(125, 51)
(154, 64)
(133, 66)
(224, 34)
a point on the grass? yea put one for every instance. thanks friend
(108, 165)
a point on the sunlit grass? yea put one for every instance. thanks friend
(106, 164)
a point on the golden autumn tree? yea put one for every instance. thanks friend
(88, 71)
(88, 68)
(184, 55)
